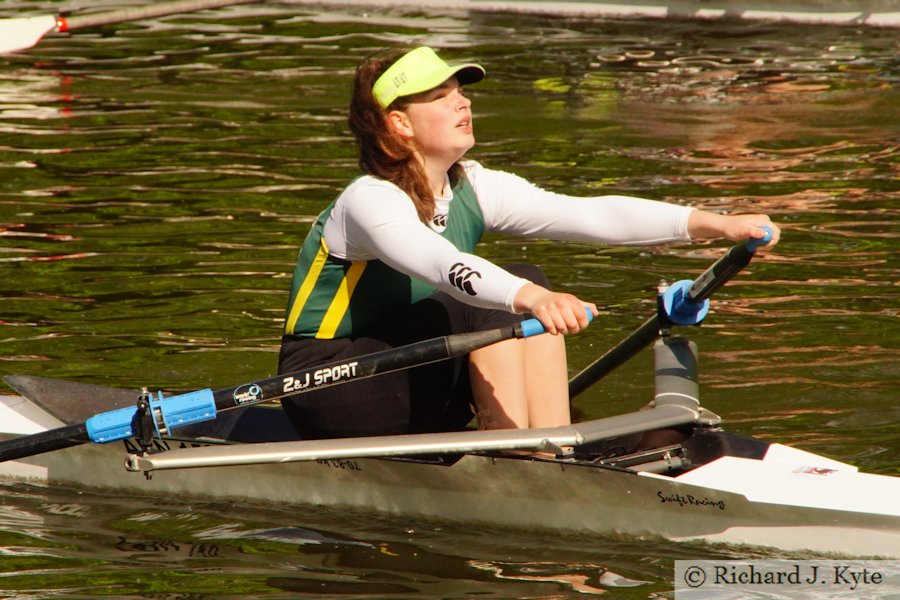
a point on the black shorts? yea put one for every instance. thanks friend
(430, 398)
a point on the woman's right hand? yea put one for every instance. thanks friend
(558, 312)
(737, 228)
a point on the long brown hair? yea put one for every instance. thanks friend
(383, 152)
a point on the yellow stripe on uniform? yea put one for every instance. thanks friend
(341, 301)
(309, 282)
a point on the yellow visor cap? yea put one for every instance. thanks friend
(418, 71)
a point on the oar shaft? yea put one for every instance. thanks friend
(46, 441)
(361, 367)
(144, 12)
(721, 271)
(615, 356)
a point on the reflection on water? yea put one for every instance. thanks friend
(157, 178)
(137, 548)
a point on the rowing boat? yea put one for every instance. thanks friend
(715, 486)
(669, 471)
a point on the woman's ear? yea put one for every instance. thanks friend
(400, 122)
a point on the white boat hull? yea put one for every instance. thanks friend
(800, 501)
(883, 13)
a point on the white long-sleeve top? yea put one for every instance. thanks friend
(374, 219)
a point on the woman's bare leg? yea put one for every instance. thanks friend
(547, 379)
(499, 386)
(521, 383)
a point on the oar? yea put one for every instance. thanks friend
(684, 303)
(25, 32)
(203, 405)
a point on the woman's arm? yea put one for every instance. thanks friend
(513, 205)
(378, 221)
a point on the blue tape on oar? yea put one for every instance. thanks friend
(532, 327)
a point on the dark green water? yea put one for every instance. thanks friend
(157, 178)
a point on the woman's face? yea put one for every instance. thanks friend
(440, 122)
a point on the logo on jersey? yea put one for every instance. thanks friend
(440, 220)
(461, 276)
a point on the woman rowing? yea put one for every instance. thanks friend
(391, 261)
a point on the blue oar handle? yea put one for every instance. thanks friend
(753, 243)
(532, 327)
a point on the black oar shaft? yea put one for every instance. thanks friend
(149, 11)
(616, 356)
(46, 441)
(369, 365)
(721, 272)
